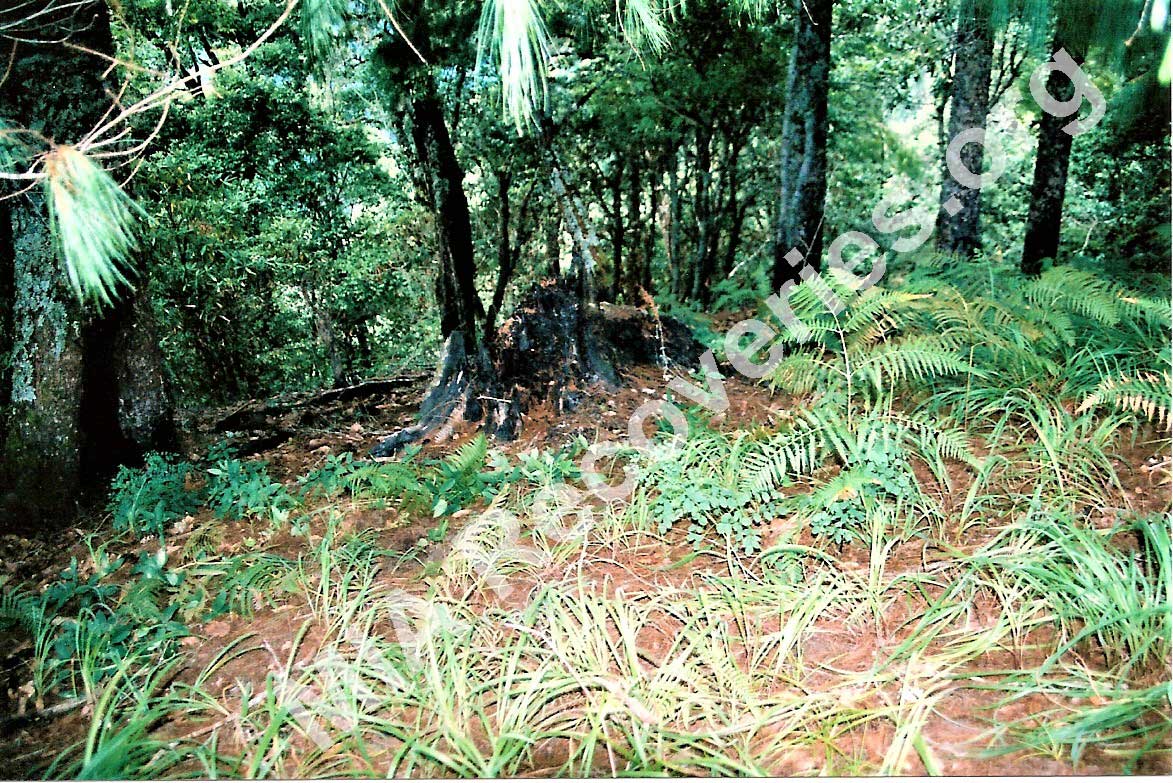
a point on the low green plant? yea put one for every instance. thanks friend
(144, 501)
(239, 490)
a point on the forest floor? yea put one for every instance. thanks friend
(627, 650)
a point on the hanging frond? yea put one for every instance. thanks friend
(320, 24)
(513, 33)
(643, 25)
(92, 221)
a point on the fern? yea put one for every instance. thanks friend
(914, 359)
(1147, 394)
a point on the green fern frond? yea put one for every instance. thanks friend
(22, 609)
(772, 462)
(1149, 395)
(799, 373)
(470, 457)
(913, 359)
(1078, 291)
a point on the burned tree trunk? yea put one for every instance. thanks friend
(804, 140)
(1049, 188)
(959, 221)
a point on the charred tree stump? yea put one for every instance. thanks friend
(554, 349)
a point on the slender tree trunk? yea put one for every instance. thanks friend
(618, 229)
(443, 179)
(636, 260)
(1044, 220)
(674, 217)
(804, 140)
(959, 221)
(702, 269)
(507, 249)
(649, 253)
(326, 334)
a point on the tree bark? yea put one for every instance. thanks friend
(636, 260)
(443, 180)
(1044, 220)
(959, 220)
(674, 216)
(703, 261)
(618, 229)
(804, 141)
(86, 390)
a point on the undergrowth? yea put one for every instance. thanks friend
(975, 422)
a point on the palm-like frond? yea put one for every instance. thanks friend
(92, 220)
(320, 23)
(643, 24)
(512, 32)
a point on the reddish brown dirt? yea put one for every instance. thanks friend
(961, 714)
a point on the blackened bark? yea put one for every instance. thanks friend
(443, 180)
(804, 140)
(959, 220)
(554, 243)
(703, 260)
(1044, 220)
(618, 229)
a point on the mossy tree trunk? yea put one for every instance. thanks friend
(804, 140)
(85, 390)
(959, 220)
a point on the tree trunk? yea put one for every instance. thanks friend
(959, 220)
(554, 243)
(618, 229)
(85, 391)
(125, 408)
(326, 334)
(702, 269)
(636, 260)
(804, 141)
(1049, 188)
(673, 234)
(443, 180)
(650, 236)
(41, 466)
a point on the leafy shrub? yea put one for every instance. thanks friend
(242, 490)
(840, 509)
(399, 480)
(146, 500)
